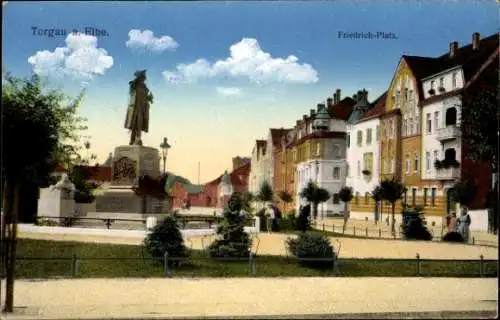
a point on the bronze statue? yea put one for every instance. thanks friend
(137, 119)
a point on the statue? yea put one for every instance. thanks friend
(137, 119)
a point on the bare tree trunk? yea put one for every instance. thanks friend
(346, 215)
(12, 243)
(393, 224)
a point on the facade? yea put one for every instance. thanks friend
(363, 156)
(258, 161)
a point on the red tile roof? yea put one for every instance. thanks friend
(343, 109)
(377, 109)
(239, 177)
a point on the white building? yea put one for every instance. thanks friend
(363, 150)
(259, 166)
(326, 163)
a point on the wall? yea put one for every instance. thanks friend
(448, 81)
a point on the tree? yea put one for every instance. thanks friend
(285, 197)
(266, 193)
(345, 195)
(464, 192)
(166, 237)
(37, 126)
(392, 190)
(80, 176)
(247, 199)
(314, 195)
(233, 241)
(148, 186)
(377, 197)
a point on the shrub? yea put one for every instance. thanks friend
(289, 222)
(309, 245)
(453, 237)
(166, 236)
(414, 226)
(233, 240)
(46, 222)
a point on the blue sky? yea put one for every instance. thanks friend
(214, 108)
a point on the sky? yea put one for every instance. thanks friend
(223, 73)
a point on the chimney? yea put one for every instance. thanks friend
(329, 102)
(475, 40)
(453, 48)
(337, 92)
(312, 113)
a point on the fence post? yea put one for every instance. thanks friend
(473, 240)
(354, 230)
(333, 228)
(366, 232)
(323, 227)
(74, 265)
(481, 266)
(379, 233)
(165, 264)
(253, 269)
(419, 265)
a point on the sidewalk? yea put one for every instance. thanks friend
(250, 297)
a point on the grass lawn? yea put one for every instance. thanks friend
(109, 261)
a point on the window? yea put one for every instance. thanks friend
(406, 94)
(398, 97)
(454, 80)
(436, 155)
(450, 154)
(425, 196)
(368, 161)
(407, 164)
(416, 163)
(451, 117)
(427, 161)
(393, 166)
(368, 136)
(413, 196)
(405, 124)
(432, 84)
(360, 138)
(356, 198)
(336, 173)
(441, 82)
(366, 197)
(336, 198)
(348, 140)
(433, 197)
(429, 123)
(405, 197)
(336, 151)
(359, 168)
(436, 120)
(377, 132)
(410, 95)
(411, 127)
(318, 148)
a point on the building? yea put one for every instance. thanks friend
(259, 165)
(363, 154)
(444, 152)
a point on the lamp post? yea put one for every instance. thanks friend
(164, 146)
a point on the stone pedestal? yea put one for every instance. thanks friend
(129, 163)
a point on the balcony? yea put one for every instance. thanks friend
(448, 173)
(448, 133)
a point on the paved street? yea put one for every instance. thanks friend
(153, 298)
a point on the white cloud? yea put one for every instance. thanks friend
(80, 59)
(146, 40)
(229, 91)
(248, 60)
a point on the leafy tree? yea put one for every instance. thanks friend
(149, 187)
(247, 199)
(314, 195)
(80, 176)
(464, 192)
(39, 129)
(233, 241)
(392, 190)
(166, 236)
(377, 197)
(286, 197)
(415, 227)
(266, 193)
(345, 195)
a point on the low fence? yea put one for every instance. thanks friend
(210, 221)
(259, 265)
(381, 233)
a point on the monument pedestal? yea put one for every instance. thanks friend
(129, 163)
